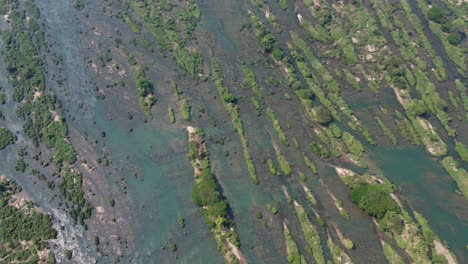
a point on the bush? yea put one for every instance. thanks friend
(437, 14)
(454, 38)
(462, 151)
(374, 199)
(322, 115)
(6, 138)
(229, 98)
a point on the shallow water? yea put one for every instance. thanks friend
(428, 189)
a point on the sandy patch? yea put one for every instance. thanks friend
(442, 250)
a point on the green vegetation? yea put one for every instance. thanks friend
(206, 195)
(185, 108)
(171, 114)
(233, 111)
(321, 115)
(355, 147)
(310, 164)
(130, 23)
(267, 41)
(70, 186)
(173, 28)
(462, 151)
(251, 81)
(309, 195)
(6, 138)
(277, 126)
(283, 163)
(338, 255)
(391, 255)
(39, 108)
(144, 90)
(272, 167)
(20, 225)
(459, 175)
(387, 132)
(310, 234)
(292, 250)
(374, 199)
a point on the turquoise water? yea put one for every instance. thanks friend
(161, 191)
(426, 188)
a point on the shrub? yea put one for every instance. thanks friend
(229, 97)
(6, 138)
(437, 14)
(462, 151)
(454, 38)
(374, 200)
(321, 115)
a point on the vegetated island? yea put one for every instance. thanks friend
(207, 195)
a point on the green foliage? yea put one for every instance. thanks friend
(251, 81)
(206, 192)
(310, 164)
(321, 115)
(266, 41)
(171, 114)
(6, 138)
(185, 108)
(374, 199)
(272, 167)
(462, 151)
(391, 255)
(277, 126)
(426, 230)
(310, 234)
(19, 225)
(21, 165)
(387, 132)
(130, 23)
(283, 4)
(454, 38)
(173, 27)
(292, 250)
(437, 14)
(283, 163)
(32, 9)
(70, 186)
(338, 255)
(144, 91)
(459, 175)
(417, 108)
(64, 152)
(354, 146)
(233, 111)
